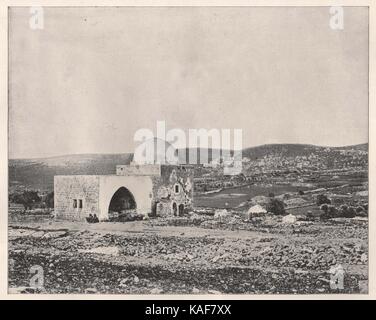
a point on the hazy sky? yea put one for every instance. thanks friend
(92, 77)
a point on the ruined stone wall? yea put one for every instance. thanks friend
(175, 185)
(67, 189)
(138, 170)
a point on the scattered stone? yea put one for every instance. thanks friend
(91, 290)
(103, 250)
(363, 286)
(289, 219)
(214, 292)
(156, 291)
(18, 290)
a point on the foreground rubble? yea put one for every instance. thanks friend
(187, 255)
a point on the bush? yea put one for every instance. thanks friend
(332, 211)
(342, 210)
(50, 200)
(362, 214)
(301, 192)
(359, 209)
(322, 199)
(276, 206)
(28, 199)
(351, 212)
(346, 211)
(329, 211)
(309, 215)
(324, 207)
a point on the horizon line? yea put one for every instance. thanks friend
(131, 153)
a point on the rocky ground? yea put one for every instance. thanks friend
(189, 255)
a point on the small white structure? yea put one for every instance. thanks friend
(255, 211)
(289, 219)
(221, 214)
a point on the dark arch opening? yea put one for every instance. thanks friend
(181, 209)
(122, 202)
(174, 208)
(154, 208)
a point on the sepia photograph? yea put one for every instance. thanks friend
(188, 150)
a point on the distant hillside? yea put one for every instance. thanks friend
(39, 173)
(293, 150)
(360, 147)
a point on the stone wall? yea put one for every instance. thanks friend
(138, 170)
(67, 189)
(168, 193)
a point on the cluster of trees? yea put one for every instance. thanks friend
(30, 199)
(322, 199)
(277, 207)
(344, 211)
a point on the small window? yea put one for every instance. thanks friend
(177, 189)
(74, 203)
(80, 203)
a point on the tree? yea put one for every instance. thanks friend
(359, 209)
(321, 199)
(351, 212)
(346, 211)
(332, 211)
(276, 206)
(49, 200)
(28, 198)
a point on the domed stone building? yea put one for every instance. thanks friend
(151, 186)
(156, 151)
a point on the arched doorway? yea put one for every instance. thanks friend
(174, 209)
(122, 203)
(154, 208)
(181, 209)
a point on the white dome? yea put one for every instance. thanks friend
(156, 151)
